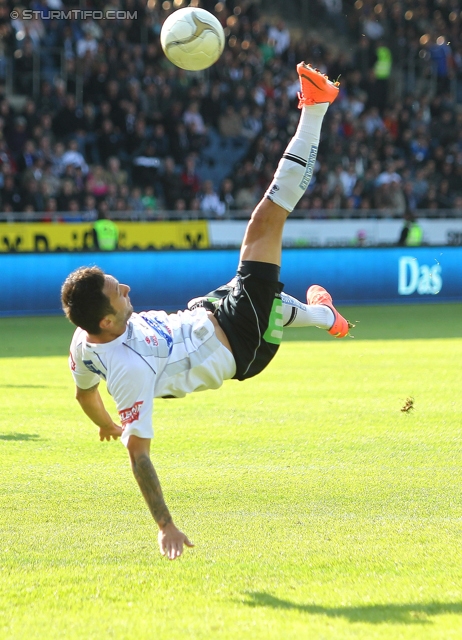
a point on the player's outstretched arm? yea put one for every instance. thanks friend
(171, 540)
(92, 405)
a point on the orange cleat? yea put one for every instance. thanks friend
(315, 86)
(318, 295)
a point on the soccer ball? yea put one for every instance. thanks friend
(192, 38)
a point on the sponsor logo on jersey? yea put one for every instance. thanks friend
(72, 361)
(161, 329)
(127, 416)
(91, 367)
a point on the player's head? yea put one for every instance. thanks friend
(96, 301)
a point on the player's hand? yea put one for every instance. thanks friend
(171, 541)
(113, 431)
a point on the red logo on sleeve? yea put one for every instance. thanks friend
(127, 416)
(71, 361)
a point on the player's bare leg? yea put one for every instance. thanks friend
(263, 238)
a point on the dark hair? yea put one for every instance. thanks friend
(83, 300)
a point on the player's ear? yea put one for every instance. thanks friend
(106, 322)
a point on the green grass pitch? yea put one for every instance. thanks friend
(319, 509)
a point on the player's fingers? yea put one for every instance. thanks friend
(172, 551)
(188, 542)
(176, 552)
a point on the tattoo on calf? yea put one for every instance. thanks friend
(149, 484)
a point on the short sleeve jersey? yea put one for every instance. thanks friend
(158, 355)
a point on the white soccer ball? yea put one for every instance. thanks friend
(192, 38)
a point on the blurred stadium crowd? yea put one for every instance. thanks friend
(108, 123)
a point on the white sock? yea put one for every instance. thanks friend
(296, 166)
(297, 314)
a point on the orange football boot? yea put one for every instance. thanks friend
(315, 86)
(318, 295)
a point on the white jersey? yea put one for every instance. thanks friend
(158, 355)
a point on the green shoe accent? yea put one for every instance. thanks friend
(275, 329)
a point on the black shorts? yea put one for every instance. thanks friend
(250, 314)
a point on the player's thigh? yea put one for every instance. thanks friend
(251, 317)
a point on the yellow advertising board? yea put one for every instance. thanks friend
(64, 236)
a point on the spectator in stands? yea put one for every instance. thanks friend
(16, 136)
(180, 205)
(33, 198)
(108, 141)
(134, 142)
(135, 200)
(24, 68)
(210, 203)
(193, 119)
(50, 182)
(171, 183)
(111, 196)
(115, 174)
(51, 208)
(87, 46)
(230, 123)
(227, 194)
(146, 165)
(67, 193)
(11, 195)
(179, 143)
(251, 122)
(27, 157)
(97, 184)
(189, 180)
(149, 199)
(161, 141)
(89, 208)
(73, 157)
(280, 35)
(212, 105)
(68, 119)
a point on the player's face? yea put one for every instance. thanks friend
(120, 301)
